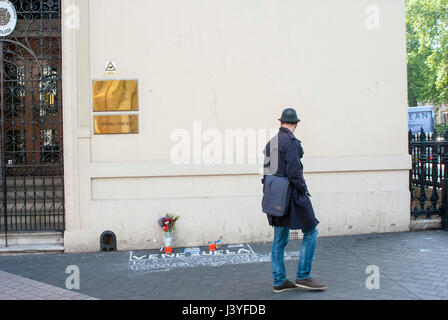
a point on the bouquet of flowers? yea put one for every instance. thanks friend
(168, 222)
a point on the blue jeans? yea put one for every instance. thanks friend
(281, 239)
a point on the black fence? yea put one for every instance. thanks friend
(428, 179)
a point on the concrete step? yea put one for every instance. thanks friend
(33, 238)
(32, 203)
(30, 190)
(37, 204)
(31, 249)
(426, 224)
(33, 224)
(31, 182)
(37, 194)
(31, 212)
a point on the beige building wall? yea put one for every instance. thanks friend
(236, 65)
(441, 114)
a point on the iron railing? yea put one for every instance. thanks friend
(427, 179)
(31, 123)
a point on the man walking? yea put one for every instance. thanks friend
(283, 154)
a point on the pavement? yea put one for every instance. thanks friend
(411, 266)
(13, 287)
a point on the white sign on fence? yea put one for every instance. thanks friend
(421, 117)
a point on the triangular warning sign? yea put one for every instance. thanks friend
(110, 67)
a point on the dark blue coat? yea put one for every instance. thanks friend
(285, 161)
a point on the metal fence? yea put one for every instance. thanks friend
(429, 175)
(31, 120)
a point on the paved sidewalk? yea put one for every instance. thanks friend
(14, 287)
(413, 266)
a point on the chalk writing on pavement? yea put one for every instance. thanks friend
(225, 255)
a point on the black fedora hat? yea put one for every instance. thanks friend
(289, 116)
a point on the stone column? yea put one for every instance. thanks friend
(77, 118)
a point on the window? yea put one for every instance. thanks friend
(48, 92)
(49, 147)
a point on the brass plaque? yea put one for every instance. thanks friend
(122, 124)
(115, 95)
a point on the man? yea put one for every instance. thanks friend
(283, 154)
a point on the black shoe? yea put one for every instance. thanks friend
(288, 285)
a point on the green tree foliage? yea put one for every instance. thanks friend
(440, 129)
(427, 42)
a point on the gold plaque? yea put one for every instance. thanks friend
(115, 95)
(123, 124)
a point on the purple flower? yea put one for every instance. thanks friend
(161, 223)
